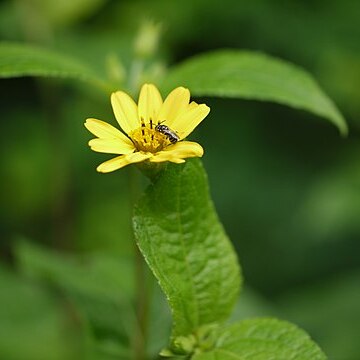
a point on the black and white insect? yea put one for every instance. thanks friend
(170, 134)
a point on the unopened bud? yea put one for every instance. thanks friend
(147, 40)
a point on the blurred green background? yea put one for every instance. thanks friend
(285, 184)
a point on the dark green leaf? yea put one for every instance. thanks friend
(251, 75)
(17, 59)
(187, 249)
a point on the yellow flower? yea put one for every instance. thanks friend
(155, 129)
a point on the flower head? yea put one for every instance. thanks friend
(154, 129)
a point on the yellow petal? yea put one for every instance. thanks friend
(101, 128)
(150, 102)
(179, 151)
(111, 146)
(121, 161)
(190, 119)
(125, 111)
(167, 157)
(175, 103)
(177, 161)
(104, 130)
(192, 105)
(184, 149)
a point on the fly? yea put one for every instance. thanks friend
(170, 134)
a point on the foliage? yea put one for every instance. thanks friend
(26, 60)
(285, 186)
(185, 246)
(250, 75)
(262, 339)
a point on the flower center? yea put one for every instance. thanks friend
(146, 138)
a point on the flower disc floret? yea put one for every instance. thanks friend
(147, 138)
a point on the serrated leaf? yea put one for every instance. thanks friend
(185, 246)
(263, 339)
(251, 75)
(17, 60)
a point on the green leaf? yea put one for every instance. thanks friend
(35, 324)
(262, 339)
(17, 60)
(99, 284)
(186, 248)
(251, 75)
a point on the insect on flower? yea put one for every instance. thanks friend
(144, 136)
(170, 134)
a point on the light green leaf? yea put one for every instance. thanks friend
(251, 75)
(262, 339)
(17, 60)
(184, 244)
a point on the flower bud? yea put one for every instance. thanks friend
(147, 40)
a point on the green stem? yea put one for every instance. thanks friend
(141, 281)
(136, 71)
(142, 307)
